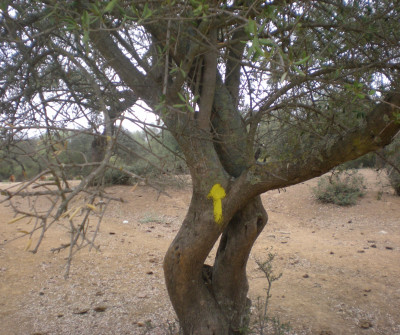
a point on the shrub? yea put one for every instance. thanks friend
(392, 153)
(264, 323)
(368, 160)
(394, 178)
(116, 177)
(340, 188)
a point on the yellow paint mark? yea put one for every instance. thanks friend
(217, 193)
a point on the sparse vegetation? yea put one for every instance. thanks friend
(342, 188)
(263, 323)
(152, 218)
(392, 153)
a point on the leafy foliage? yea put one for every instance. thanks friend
(313, 84)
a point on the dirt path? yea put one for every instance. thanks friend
(341, 267)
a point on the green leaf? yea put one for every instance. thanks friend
(70, 23)
(360, 95)
(297, 69)
(267, 41)
(181, 97)
(252, 27)
(95, 10)
(197, 11)
(110, 6)
(85, 19)
(146, 12)
(183, 73)
(302, 61)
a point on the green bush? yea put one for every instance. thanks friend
(117, 177)
(368, 160)
(340, 188)
(394, 178)
(392, 154)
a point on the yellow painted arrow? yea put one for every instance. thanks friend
(217, 193)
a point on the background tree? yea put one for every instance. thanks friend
(313, 83)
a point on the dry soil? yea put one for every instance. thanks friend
(340, 266)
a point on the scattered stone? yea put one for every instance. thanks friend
(389, 248)
(142, 324)
(325, 332)
(383, 232)
(41, 293)
(361, 251)
(149, 272)
(80, 311)
(111, 233)
(125, 222)
(331, 253)
(100, 309)
(365, 324)
(350, 221)
(99, 294)
(306, 276)
(60, 315)
(142, 295)
(153, 260)
(373, 245)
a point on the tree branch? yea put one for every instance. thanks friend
(208, 82)
(377, 131)
(233, 65)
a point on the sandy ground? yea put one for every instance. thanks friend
(340, 266)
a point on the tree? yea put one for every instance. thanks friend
(312, 84)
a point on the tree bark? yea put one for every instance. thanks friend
(229, 277)
(191, 295)
(212, 301)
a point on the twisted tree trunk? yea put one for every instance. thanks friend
(212, 300)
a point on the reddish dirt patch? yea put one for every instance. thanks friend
(340, 265)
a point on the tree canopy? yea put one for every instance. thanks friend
(258, 95)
